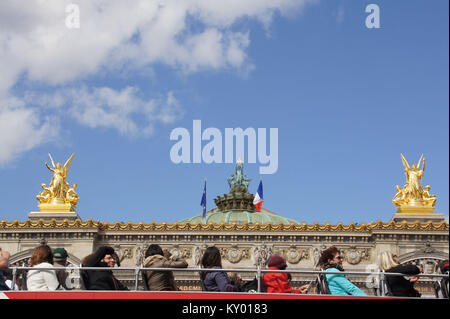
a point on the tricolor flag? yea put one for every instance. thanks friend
(258, 200)
(203, 202)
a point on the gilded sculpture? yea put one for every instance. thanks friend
(58, 192)
(413, 194)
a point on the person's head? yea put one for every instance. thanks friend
(277, 262)
(154, 249)
(387, 260)
(42, 254)
(60, 256)
(109, 260)
(211, 257)
(331, 256)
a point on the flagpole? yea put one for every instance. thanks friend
(204, 214)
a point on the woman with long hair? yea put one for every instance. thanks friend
(42, 280)
(215, 280)
(331, 260)
(399, 285)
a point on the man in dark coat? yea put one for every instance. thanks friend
(102, 279)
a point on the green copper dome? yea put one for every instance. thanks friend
(237, 206)
(239, 217)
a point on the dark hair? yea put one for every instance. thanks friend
(328, 253)
(42, 254)
(86, 259)
(154, 249)
(211, 257)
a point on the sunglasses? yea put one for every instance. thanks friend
(339, 257)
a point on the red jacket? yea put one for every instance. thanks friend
(278, 282)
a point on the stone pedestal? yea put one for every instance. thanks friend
(58, 212)
(421, 213)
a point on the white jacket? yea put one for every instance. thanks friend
(42, 280)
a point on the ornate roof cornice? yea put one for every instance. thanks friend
(129, 226)
(65, 224)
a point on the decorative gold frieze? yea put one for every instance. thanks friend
(129, 226)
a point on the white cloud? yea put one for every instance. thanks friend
(123, 110)
(36, 47)
(21, 129)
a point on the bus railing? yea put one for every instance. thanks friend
(259, 271)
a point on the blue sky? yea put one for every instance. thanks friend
(346, 100)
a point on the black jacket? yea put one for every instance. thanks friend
(3, 285)
(101, 279)
(400, 286)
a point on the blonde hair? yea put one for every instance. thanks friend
(386, 261)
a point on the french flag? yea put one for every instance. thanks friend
(258, 200)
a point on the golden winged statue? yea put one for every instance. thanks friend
(58, 192)
(413, 193)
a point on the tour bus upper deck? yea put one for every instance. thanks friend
(375, 281)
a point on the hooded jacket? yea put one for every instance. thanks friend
(101, 279)
(162, 280)
(278, 282)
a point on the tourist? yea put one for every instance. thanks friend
(161, 280)
(60, 258)
(215, 280)
(42, 280)
(9, 278)
(4, 263)
(399, 285)
(443, 267)
(102, 279)
(276, 282)
(331, 261)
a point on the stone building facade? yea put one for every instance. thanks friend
(242, 246)
(245, 238)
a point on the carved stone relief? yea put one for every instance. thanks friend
(234, 254)
(178, 252)
(261, 254)
(293, 255)
(355, 255)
